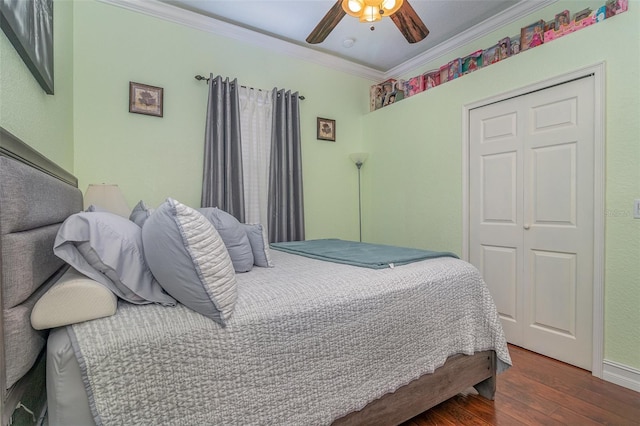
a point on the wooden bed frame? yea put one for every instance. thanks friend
(459, 373)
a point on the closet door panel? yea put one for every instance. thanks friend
(496, 208)
(531, 186)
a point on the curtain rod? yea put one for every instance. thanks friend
(201, 77)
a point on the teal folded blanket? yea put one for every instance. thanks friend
(375, 256)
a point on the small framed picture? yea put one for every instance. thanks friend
(515, 45)
(491, 55)
(414, 85)
(454, 69)
(326, 129)
(550, 26)
(145, 99)
(532, 35)
(611, 8)
(504, 48)
(471, 63)
(431, 79)
(375, 97)
(398, 89)
(579, 16)
(563, 18)
(388, 92)
(444, 73)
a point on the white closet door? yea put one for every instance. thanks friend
(496, 205)
(531, 216)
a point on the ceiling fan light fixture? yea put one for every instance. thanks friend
(390, 6)
(370, 14)
(371, 10)
(353, 7)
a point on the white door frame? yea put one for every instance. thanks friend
(598, 72)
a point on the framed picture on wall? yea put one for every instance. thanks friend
(29, 27)
(145, 99)
(326, 129)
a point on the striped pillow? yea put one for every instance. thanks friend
(190, 261)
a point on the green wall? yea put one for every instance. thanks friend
(413, 178)
(43, 121)
(152, 158)
(412, 181)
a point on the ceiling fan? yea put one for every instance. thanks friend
(400, 11)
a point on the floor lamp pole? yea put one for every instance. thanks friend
(359, 166)
(359, 158)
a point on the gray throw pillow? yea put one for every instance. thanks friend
(259, 244)
(234, 237)
(190, 260)
(108, 248)
(140, 213)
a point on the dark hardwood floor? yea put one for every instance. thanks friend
(540, 391)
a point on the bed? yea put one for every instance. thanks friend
(373, 346)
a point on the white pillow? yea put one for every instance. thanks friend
(73, 298)
(259, 244)
(189, 260)
(108, 248)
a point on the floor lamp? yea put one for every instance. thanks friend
(359, 158)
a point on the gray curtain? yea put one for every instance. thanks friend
(222, 184)
(286, 207)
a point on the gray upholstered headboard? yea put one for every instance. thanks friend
(36, 196)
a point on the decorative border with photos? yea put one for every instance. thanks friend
(530, 36)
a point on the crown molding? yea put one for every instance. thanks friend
(194, 20)
(499, 20)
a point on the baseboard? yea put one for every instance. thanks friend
(622, 375)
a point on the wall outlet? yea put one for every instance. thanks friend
(636, 209)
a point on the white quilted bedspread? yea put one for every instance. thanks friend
(308, 342)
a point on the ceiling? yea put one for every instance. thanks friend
(283, 25)
(381, 49)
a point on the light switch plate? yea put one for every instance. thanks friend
(636, 209)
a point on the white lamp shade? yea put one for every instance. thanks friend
(107, 196)
(359, 157)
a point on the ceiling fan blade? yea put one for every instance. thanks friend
(327, 24)
(409, 23)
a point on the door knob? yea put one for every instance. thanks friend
(526, 226)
